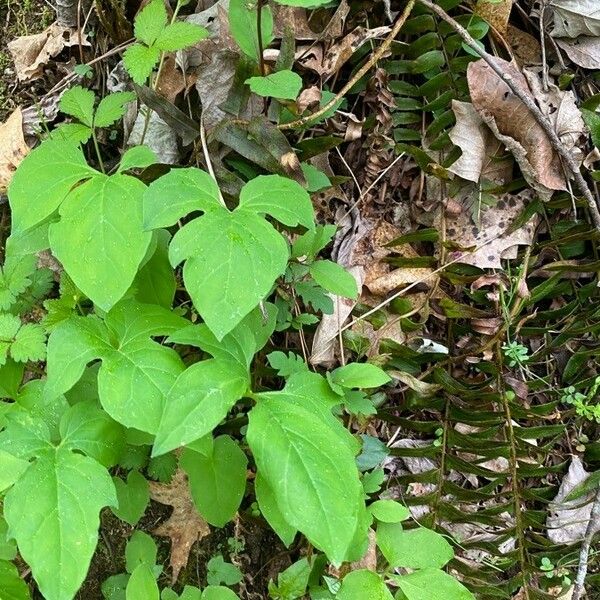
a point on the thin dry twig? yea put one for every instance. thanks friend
(375, 57)
(594, 522)
(529, 103)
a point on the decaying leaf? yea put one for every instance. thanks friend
(583, 51)
(31, 52)
(13, 148)
(185, 526)
(575, 17)
(157, 135)
(567, 521)
(514, 125)
(526, 48)
(490, 239)
(480, 148)
(495, 13)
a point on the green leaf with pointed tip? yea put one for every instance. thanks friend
(78, 102)
(43, 180)
(362, 584)
(218, 592)
(133, 497)
(280, 197)
(179, 35)
(308, 462)
(217, 482)
(29, 344)
(285, 85)
(112, 108)
(432, 584)
(12, 587)
(25, 436)
(150, 21)
(267, 503)
(137, 157)
(226, 285)
(198, 401)
(11, 468)
(414, 548)
(359, 375)
(334, 278)
(73, 133)
(178, 193)
(57, 545)
(142, 585)
(243, 24)
(140, 60)
(99, 239)
(15, 277)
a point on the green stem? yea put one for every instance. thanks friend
(97, 147)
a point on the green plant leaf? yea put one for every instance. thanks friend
(137, 157)
(43, 523)
(200, 398)
(140, 60)
(334, 278)
(281, 198)
(227, 285)
(308, 463)
(303, 3)
(362, 584)
(292, 582)
(150, 22)
(78, 102)
(179, 35)
(389, 511)
(432, 584)
(285, 85)
(73, 133)
(219, 571)
(217, 482)
(142, 585)
(29, 344)
(11, 468)
(414, 548)
(316, 180)
(141, 550)
(132, 496)
(214, 592)
(42, 182)
(287, 365)
(359, 375)
(15, 277)
(178, 193)
(12, 587)
(268, 506)
(243, 24)
(112, 108)
(99, 239)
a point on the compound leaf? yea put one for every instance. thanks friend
(112, 108)
(78, 102)
(140, 60)
(150, 22)
(179, 35)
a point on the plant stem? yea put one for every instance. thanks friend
(592, 527)
(97, 147)
(261, 50)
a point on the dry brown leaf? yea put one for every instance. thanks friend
(13, 148)
(185, 525)
(31, 52)
(583, 51)
(514, 125)
(495, 221)
(480, 148)
(308, 98)
(340, 53)
(495, 13)
(573, 18)
(526, 48)
(172, 81)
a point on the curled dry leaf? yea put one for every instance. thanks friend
(490, 239)
(340, 53)
(185, 526)
(514, 125)
(13, 148)
(31, 52)
(567, 521)
(583, 51)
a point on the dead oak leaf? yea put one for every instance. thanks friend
(13, 148)
(185, 526)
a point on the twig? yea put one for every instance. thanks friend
(529, 103)
(593, 524)
(261, 50)
(375, 57)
